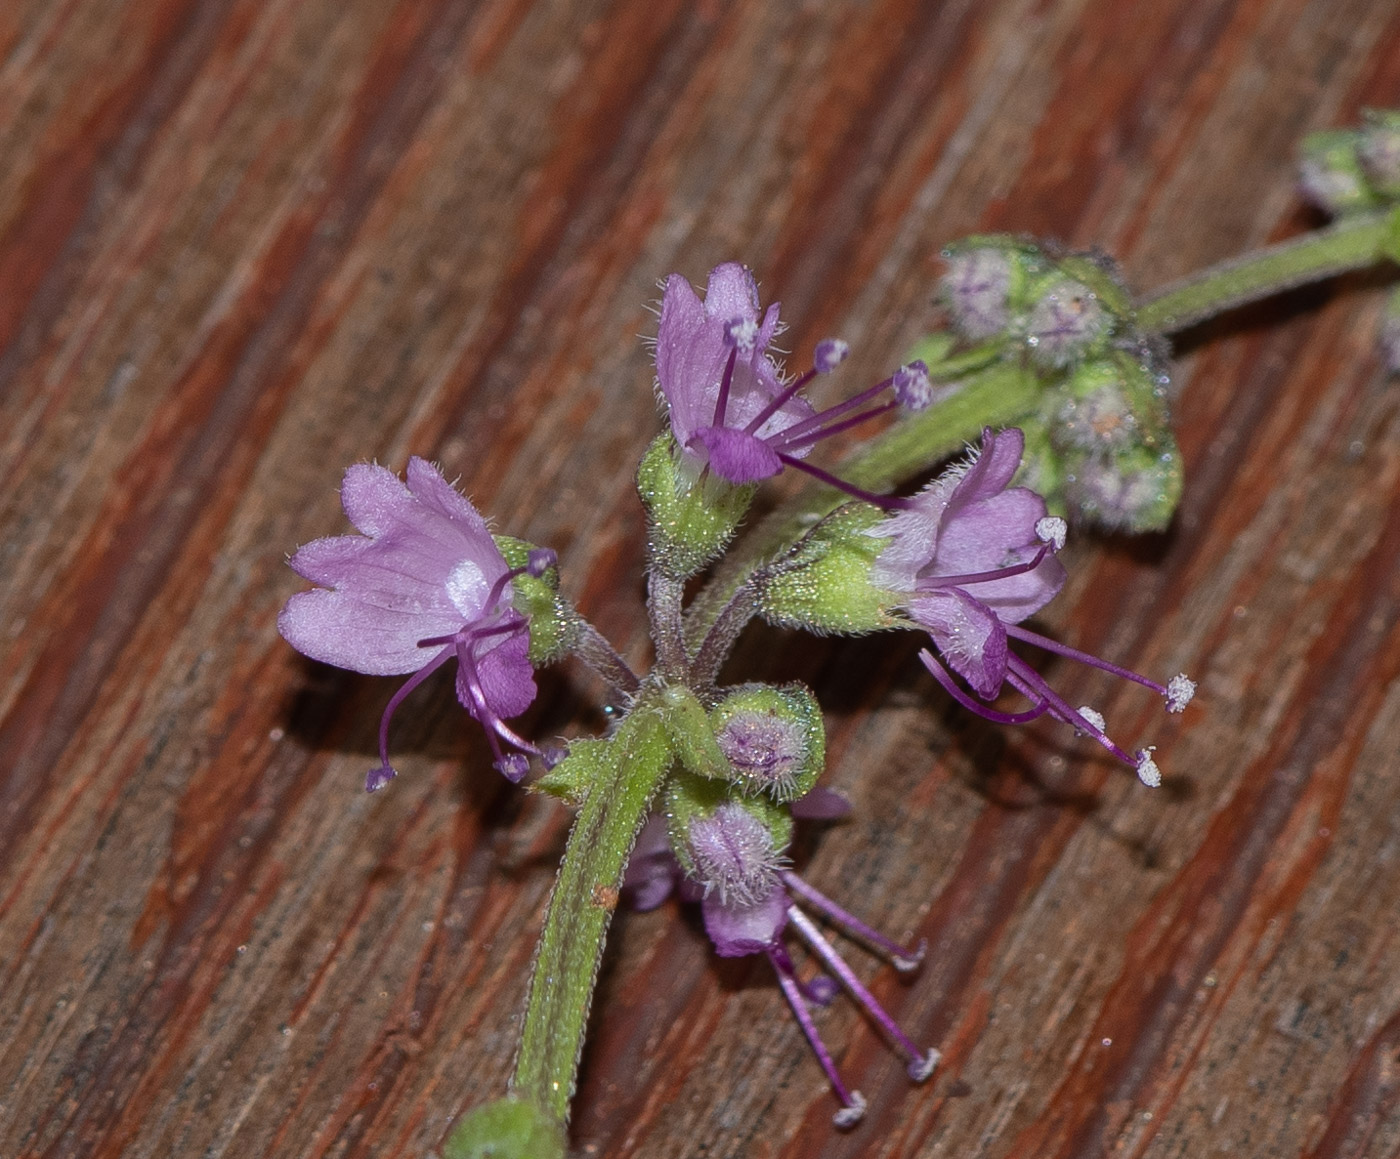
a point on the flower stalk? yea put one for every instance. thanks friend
(1350, 244)
(580, 910)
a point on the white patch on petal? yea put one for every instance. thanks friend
(1180, 690)
(467, 589)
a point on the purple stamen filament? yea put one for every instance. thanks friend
(773, 406)
(722, 402)
(819, 901)
(927, 582)
(809, 933)
(792, 991)
(1083, 657)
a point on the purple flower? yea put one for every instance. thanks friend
(970, 558)
(423, 583)
(729, 407)
(748, 900)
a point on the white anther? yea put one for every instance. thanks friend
(852, 1113)
(1052, 530)
(1180, 690)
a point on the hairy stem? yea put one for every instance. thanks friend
(724, 633)
(664, 607)
(580, 909)
(594, 649)
(1351, 244)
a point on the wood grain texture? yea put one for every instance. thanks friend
(244, 243)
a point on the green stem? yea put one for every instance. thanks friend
(576, 926)
(1351, 244)
(997, 396)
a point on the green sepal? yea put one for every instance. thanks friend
(793, 706)
(590, 759)
(553, 622)
(691, 519)
(823, 584)
(508, 1128)
(688, 796)
(692, 738)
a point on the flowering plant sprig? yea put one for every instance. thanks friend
(1048, 390)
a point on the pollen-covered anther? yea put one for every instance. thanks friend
(1148, 772)
(912, 388)
(1052, 530)
(921, 1069)
(1180, 690)
(1093, 716)
(742, 333)
(830, 353)
(908, 963)
(852, 1113)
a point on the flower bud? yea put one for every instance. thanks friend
(1133, 490)
(773, 738)
(1379, 151)
(1331, 175)
(691, 519)
(1390, 333)
(728, 845)
(985, 287)
(1066, 324)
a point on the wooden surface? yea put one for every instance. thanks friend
(244, 243)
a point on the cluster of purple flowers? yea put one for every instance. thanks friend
(966, 560)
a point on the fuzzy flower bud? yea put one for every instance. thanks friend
(1379, 151)
(1330, 173)
(773, 738)
(977, 290)
(1066, 324)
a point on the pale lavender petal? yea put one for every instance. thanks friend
(427, 485)
(968, 635)
(690, 356)
(337, 628)
(732, 293)
(374, 497)
(507, 680)
(992, 471)
(738, 929)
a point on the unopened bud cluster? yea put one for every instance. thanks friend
(1099, 441)
(1347, 171)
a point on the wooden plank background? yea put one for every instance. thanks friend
(244, 243)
